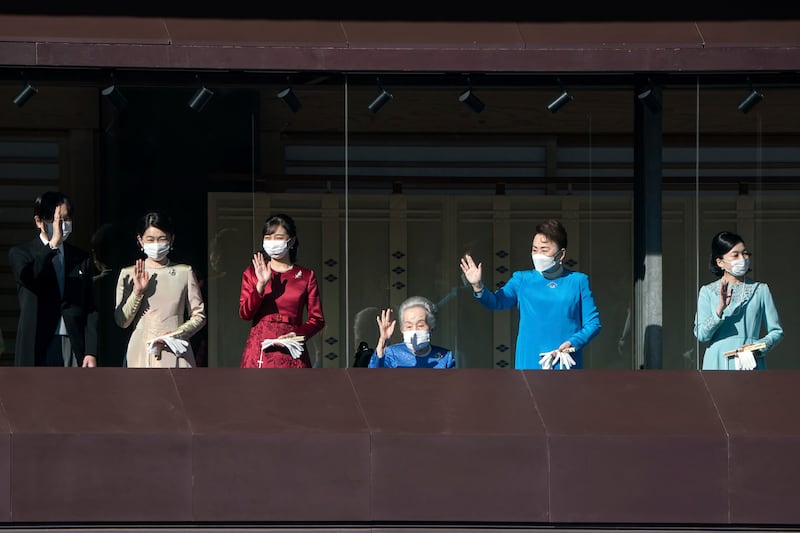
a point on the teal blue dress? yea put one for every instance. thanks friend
(551, 311)
(741, 323)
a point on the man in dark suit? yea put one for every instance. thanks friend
(58, 318)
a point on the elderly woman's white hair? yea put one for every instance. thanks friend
(420, 301)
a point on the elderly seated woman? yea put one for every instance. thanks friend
(417, 321)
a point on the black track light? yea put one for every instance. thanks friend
(116, 97)
(381, 100)
(750, 101)
(200, 99)
(559, 101)
(290, 99)
(471, 100)
(650, 99)
(24, 95)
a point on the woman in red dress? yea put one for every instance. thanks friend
(275, 294)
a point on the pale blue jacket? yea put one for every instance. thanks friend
(741, 323)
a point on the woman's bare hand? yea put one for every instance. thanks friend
(140, 277)
(725, 295)
(263, 271)
(472, 272)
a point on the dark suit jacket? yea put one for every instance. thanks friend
(41, 304)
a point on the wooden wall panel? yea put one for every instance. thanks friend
(288, 448)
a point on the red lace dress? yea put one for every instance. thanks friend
(278, 311)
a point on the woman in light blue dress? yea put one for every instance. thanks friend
(732, 310)
(557, 313)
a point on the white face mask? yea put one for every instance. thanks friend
(276, 249)
(156, 250)
(417, 339)
(66, 229)
(739, 267)
(545, 263)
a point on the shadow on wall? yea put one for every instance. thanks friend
(227, 259)
(112, 339)
(365, 335)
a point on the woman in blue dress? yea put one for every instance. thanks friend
(557, 313)
(417, 320)
(732, 310)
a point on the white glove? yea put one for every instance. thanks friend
(564, 359)
(176, 346)
(745, 360)
(546, 359)
(295, 346)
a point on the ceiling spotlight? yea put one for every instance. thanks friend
(116, 97)
(750, 101)
(381, 100)
(560, 101)
(290, 99)
(471, 100)
(24, 95)
(200, 98)
(650, 99)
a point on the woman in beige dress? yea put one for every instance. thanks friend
(161, 299)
